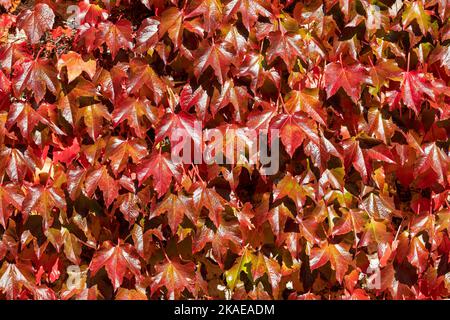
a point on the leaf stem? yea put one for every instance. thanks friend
(39, 53)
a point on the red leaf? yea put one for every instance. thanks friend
(349, 77)
(37, 76)
(36, 22)
(294, 129)
(161, 168)
(336, 254)
(116, 36)
(117, 260)
(413, 87)
(100, 178)
(175, 276)
(215, 56)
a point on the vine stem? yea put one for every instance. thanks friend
(282, 103)
(408, 62)
(49, 175)
(164, 251)
(197, 173)
(39, 53)
(398, 230)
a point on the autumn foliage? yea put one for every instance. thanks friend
(93, 207)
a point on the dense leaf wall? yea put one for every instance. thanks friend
(92, 206)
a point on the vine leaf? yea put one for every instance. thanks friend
(116, 259)
(36, 22)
